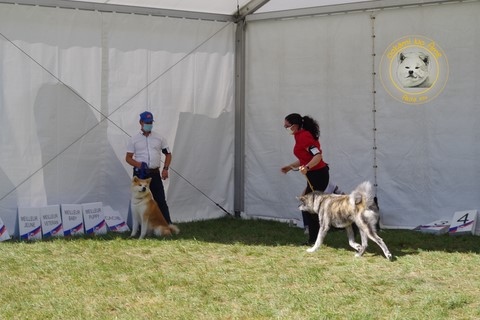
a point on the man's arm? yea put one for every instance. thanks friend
(166, 165)
(129, 159)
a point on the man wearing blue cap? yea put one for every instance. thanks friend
(144, 153)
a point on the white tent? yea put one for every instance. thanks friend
(220, 76)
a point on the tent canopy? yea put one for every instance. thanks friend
(222, 7)
(213, 9)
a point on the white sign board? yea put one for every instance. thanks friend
(435, 227)
(72, 219)
(51, 221)
(463, 222)
(3, 232)
(114, 220)
(29, 224)
(94, 218)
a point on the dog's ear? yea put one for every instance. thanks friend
(401, 57)
(135, 179)
(424, 57)
(148, 180)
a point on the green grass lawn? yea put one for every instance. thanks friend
(240, 269)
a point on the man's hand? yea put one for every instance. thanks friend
(143, 170)
(164, 174)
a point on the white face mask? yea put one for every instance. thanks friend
(290, 129)
(147, 127)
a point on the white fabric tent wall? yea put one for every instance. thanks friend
(323, 66)
(428, 154)
(311, 73)
(64, 71)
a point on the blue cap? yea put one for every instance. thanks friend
(146, 116)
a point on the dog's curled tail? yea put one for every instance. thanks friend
(362, 193)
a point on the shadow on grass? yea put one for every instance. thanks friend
(229, 230)
(272, 233)
(407, 242)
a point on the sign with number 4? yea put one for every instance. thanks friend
(463, 222)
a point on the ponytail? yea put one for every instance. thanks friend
(311, 125)
(305, 122)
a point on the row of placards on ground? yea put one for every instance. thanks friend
(463, 222)
(38, 223)
(94, 218)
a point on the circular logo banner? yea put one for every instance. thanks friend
(414, 69)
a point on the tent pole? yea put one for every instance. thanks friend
(239, 161)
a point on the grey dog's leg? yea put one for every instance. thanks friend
(321, 235)
(374, 236)
(368, 230)
(364, 238)
(351, 238)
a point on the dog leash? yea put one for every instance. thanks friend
(308, 180)
(309, 184)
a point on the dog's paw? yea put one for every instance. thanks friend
(312, 249)
(389, 257)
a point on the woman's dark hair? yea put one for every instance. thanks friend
(305, 122)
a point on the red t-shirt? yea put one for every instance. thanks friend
(304, 142)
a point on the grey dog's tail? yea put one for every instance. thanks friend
(362, 193)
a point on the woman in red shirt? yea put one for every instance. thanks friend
(310, 162)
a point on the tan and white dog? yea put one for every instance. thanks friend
(341, 211)
(145, 212)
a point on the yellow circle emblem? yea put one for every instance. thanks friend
(414, 69)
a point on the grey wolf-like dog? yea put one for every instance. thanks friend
(341, 211)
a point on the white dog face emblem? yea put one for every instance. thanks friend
(413, 69)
